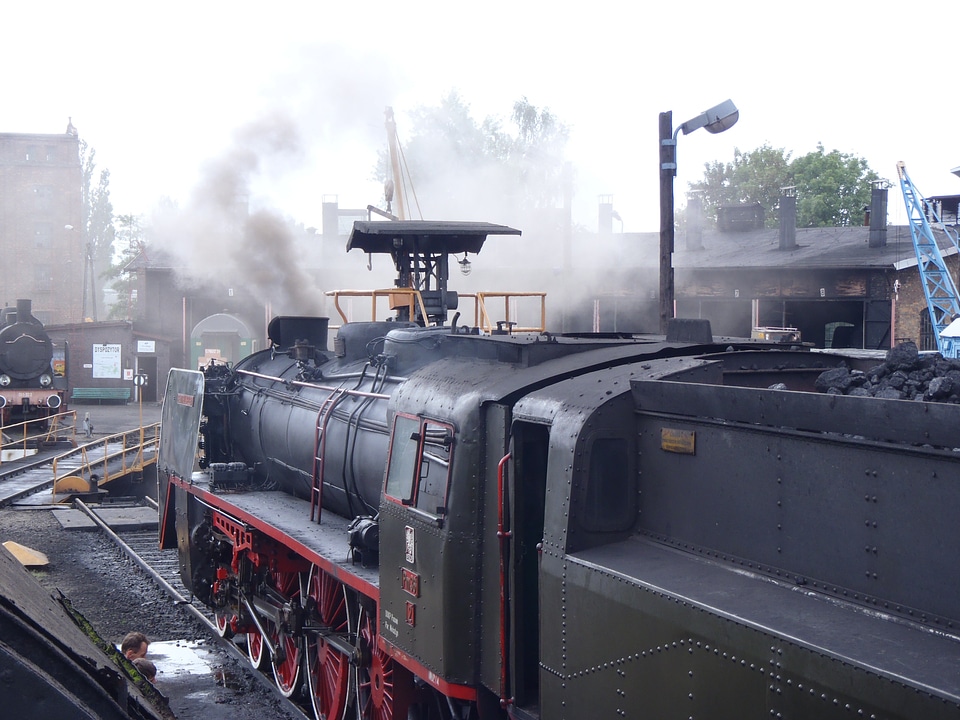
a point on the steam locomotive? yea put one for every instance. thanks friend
(432, 522)
(29, 387)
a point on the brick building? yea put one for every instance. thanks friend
(40, 194)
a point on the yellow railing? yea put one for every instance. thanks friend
(131, 455)
(410, 299)
(54, 425)
(481, 316)
(397, 298)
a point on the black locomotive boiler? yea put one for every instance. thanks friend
(29, 387)
(430, 522)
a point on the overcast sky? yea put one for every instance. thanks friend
(158, 89)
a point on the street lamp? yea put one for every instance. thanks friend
(717, 119)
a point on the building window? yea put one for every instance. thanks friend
(42, 276)
(44, 195)
(928, 341)
(42, 235)
(33, 153)
(50, 152)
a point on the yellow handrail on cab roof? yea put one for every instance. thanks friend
(411, 299)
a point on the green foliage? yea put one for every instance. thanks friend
(98, 231)
(832, 188)
(130, 243)
(755, 176)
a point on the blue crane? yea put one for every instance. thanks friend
(943, 301)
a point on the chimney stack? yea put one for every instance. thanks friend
(694, 222)
(330, 208)
(878, 214)
(788, 218)
(606, 216)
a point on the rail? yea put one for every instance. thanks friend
(410, 299)
(54, 425)
(131, 455)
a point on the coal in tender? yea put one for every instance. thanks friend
(904, 374)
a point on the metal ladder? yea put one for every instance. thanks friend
(319, 450)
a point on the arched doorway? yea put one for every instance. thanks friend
(220, 337)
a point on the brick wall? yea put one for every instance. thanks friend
(40, 186)
(911, 302)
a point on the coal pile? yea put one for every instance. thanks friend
(903, 375)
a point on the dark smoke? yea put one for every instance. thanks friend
(216, 238)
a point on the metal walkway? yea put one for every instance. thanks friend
(83, 469)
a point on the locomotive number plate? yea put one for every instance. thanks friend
(683, 442)
(411, 544)
(410, 582)
(185, 400)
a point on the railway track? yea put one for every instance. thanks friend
(162, 568)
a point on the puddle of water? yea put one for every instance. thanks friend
(180, 657)
(192, 677)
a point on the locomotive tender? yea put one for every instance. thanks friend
(29, 388)
(429, 522)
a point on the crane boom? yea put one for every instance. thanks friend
(938, 286)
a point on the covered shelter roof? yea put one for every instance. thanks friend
(423, 236)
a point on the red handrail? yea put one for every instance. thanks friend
(504, 539)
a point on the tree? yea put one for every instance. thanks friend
(97, 228)
(130, 243)
(754, 176)
(831, 187)
(461, 167)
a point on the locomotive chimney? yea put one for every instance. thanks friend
(878, 214)
(788, 218)
(24, 311)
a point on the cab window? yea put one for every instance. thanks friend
(402, 469)
(434, 468)
(418, 471)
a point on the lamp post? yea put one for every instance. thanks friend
(140, 380)
(717, 119)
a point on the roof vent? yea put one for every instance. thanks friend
(878, 215)
(788, 218)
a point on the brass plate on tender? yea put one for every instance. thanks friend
(678, 441)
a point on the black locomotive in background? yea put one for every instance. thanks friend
(30, 387)
(431, 522)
